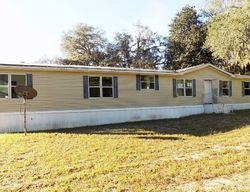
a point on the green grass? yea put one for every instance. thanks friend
(166, 155)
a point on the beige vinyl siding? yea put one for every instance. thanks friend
(208, 74)
(64, 91)
(212, 74)
(237, 92)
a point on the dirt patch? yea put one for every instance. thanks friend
(236, 182)
(238, 148)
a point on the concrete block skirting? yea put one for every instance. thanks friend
(47, 120)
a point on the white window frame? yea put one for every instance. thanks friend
(184, 87)
(25, 75)
(101, 87)
(146, 81)
(228, 88)
(246, 88)
(10, 86)
(94, 87)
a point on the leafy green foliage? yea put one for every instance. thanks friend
(119, 52)
(229, 36)
(213, 7)
(148, 48)
(185, 41)
(85, 45)
(220, 37)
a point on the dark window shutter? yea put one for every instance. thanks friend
(157, 82)
(243, 88)
(29, 80)
(174, 88)
(194, 87)
(85, 87)
(230, 89)
(220, 88)
(215, 91)
(138, 82)
(115, 86)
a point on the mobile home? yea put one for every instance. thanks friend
(74, 96)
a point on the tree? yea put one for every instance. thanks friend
(213, 7)
(119, 52)
(229, 37)
(85, 45)
(148, 48)
(186, 40)
(142, 49)
(123, 43)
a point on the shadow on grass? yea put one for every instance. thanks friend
(160, 138)
(198, 125)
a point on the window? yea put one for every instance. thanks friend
(4, 84)
(180, 87)
(7, 89)
(107, 88)
(94, 87)
(246, 86)
(147, 82)
(100, 87)
(225, 88)
(17, 80)
(184, 87)
(188, 87)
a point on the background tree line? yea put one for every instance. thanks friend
(218, 34)
(87, 45)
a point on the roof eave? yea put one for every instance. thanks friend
(198, 67)
(98, 70)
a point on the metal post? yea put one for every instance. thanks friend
(24, 116)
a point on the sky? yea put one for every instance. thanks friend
(33, 29)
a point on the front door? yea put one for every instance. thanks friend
(208, 93)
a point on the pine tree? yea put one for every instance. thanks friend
(186, 40)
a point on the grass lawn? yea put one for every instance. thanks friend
(197, 153)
